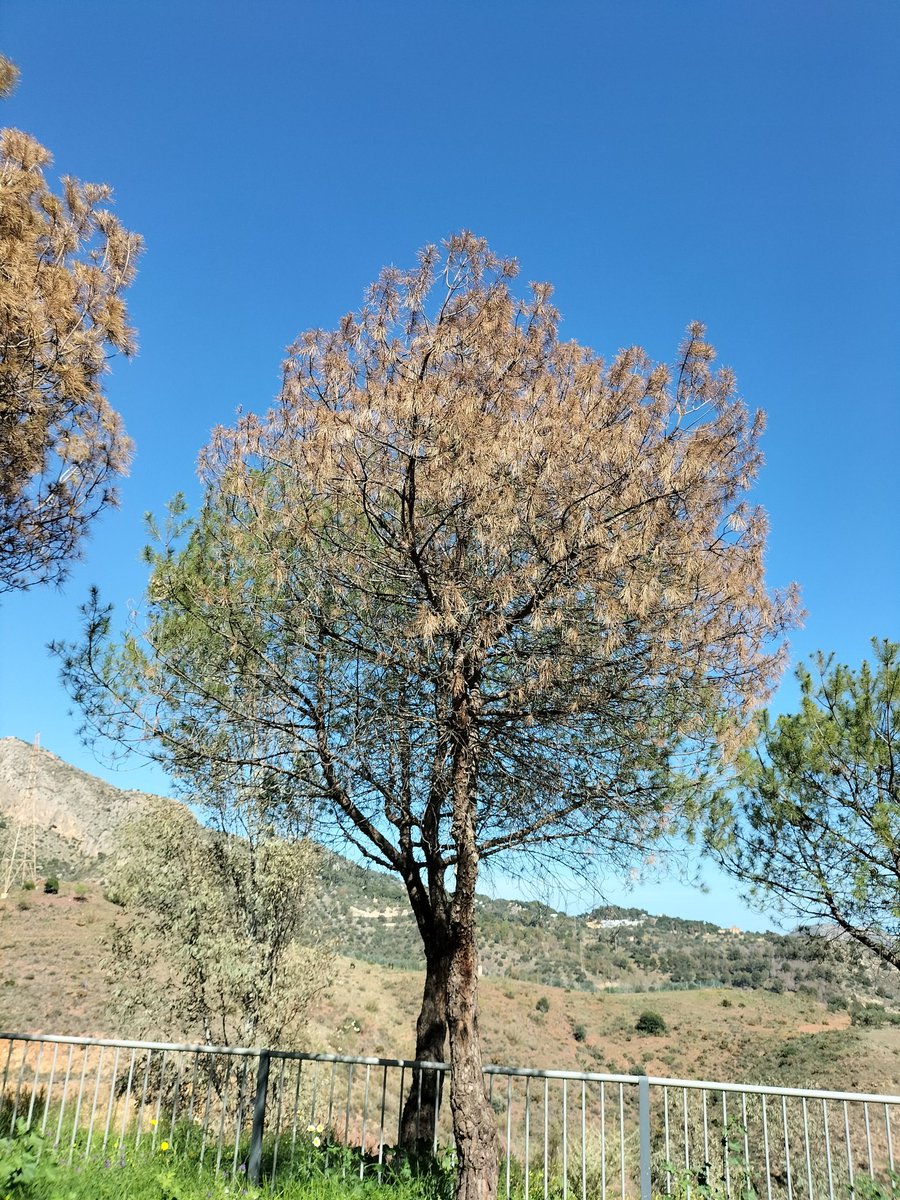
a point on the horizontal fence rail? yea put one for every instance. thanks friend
(562, 1133)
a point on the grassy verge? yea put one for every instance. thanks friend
(31, 1169)
(180, 1181)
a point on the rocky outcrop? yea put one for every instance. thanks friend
(74, 813)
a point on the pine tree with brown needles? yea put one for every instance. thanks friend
(64, 263)
(502, 598)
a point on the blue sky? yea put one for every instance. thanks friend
(657, 161)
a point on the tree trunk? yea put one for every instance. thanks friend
(420, 1111)
(474, 1123)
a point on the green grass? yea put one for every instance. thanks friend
(178, 1165)
(173, 1180)
(31, 1169)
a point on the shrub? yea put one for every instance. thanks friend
(543, 1004)
(579, 1033)
(28, 885)
(23, 905)
(51, 886)
(80, 892)
(868, 1016)
(651, 1022)
(26, 1163)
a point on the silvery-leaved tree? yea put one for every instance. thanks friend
(501, 597)
(216, 939)
(65, 262)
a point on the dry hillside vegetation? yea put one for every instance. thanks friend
(51, 980)
(557, 991)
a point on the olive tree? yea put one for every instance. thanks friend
(66, 262)
(215, 940)
(218, 939)
(501, 596)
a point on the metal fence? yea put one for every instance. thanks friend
(562, 1133)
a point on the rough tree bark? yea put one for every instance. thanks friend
(424, 1097)
(474, 1123)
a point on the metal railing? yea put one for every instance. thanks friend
(562, 1133)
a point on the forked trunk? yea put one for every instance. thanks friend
(420, 1112)
(474, 1123)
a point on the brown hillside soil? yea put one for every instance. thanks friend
(51, 980)
(834, 1021)
(50, 976)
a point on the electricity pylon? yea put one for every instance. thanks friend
(18, 864)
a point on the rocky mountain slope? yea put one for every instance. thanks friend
(609, 949)
(71, 816)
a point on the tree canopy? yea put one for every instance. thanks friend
(498, 596)
(814, 821)
(65, 262)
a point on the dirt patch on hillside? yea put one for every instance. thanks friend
(838, 1021)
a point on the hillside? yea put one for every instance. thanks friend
(556, 989)
(51, 980)
(607, 949)
(365, 912)
(71, 817)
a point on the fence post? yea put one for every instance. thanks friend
(254, 1162)
(644, 1122)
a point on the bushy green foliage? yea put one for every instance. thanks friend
(813, 825)
(51, 886)
(865, 1188)
(872, 1016)
(322, 1170)
(543, 1004)
(651, 1022)
(27, 1167)
(685, 1184)
(155, 1179)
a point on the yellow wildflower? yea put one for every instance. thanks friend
(317, 1141)
(164, 1146)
